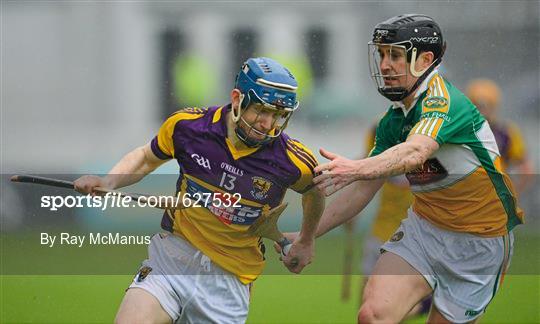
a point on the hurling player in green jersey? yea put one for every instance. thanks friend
(456, 241)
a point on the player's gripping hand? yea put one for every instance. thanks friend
(290, 236)
(301, 253)
(87, 183)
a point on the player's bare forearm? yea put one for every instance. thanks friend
(350, 201)
(398, 159)
(133, 167)
(313, 205)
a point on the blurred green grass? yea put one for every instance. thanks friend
(277, 297)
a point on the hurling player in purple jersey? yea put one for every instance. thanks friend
(201, 269)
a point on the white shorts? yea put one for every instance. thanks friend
(190, 287)
(464, 270)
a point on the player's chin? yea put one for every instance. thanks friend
(391, 82)
(257, 137)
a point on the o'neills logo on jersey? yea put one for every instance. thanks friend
(231, 169)
(201, 160)
(431, 171)
(260, 187)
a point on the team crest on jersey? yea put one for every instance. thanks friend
(435, 103)
(261, 186)
(143, 273)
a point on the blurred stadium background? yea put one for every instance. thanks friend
(83, 83)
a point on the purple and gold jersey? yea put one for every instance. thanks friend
(255, 179)
(510, 142)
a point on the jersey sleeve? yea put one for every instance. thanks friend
(441, 119)
(517, 150)
(162, 144)
(305, 161)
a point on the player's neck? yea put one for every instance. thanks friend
(407, 102)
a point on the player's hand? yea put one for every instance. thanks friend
(87, 183)
(300, 255)
(340, 172)
(290, 236)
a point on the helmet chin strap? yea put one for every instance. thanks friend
(244, 137)
(412, 67)
(421, 75)
(236, 114)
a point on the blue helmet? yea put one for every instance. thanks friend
(270, 83)
(264, 81)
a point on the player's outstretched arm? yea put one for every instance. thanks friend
(398, 159)
(303, 247)
(129, 170)
(349, 203)
(401, 158)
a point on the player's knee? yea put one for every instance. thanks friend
(369, 313)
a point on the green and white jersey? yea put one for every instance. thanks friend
(462, 186)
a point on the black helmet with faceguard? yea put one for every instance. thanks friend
(413, 33)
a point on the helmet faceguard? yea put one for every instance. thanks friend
(267, 87)
(411, 35)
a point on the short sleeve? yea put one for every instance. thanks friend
(162, 144)
(440, 118)
(305, 161)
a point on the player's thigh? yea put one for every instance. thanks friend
(139, 306)
(392, 290)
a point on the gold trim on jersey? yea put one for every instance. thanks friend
(482, 214)
(302, 152)
(306, 173)
(427, 126)
(217, 115)
(165, 134)
(437, 100)
(239, 153)
(437, 88)
(213, 188)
